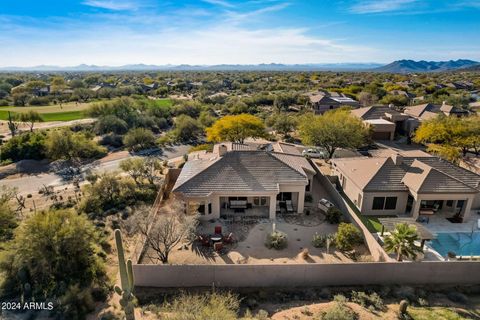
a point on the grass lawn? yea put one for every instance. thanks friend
(372, 223)
(53, 116)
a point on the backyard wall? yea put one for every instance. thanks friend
(307, 275)
(374, 247)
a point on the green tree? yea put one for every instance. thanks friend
(186, 129)
(139, 139)
(333, 130)
(52, 251)
(30, 117)
(29, 145)
(236, 128)
(284, 124)
(402, 242)
(142, 169)
(65, 144)
(110, 124)
(347, 236)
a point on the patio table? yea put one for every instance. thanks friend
(216, 238)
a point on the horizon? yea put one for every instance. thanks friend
(214, 32)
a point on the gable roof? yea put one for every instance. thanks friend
(248, 171)
(419, 110)
(322, 99)
(374, 112)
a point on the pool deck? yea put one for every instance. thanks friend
(440, 224)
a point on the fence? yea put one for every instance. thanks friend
(307, 275)
(374, 247)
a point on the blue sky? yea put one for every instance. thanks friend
(117, 32)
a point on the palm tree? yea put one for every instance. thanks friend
(402, 241)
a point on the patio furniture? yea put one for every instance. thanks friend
(218, 246)
(229, 239)
(216, 238)
(289, 206)
(238, 204)
(218, 229)
(324, 205)
(426, 212)
(204, 241)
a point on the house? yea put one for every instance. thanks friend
(148, 87)
(428, 111)
(385, 121)
(323, 102)
(244, 179)
(409, 183)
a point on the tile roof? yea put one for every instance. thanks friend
(421, 174)
(374, 112)
(248, 171)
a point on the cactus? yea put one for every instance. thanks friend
(403, 308)
(126, 280)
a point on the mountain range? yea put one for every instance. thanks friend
(408, 66)
(399, 66)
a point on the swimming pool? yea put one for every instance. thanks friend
(462, 243)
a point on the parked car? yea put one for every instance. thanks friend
(314, 153)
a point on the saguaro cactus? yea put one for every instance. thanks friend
(126, 280)
(403, 308)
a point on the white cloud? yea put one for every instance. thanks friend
(379, 6)
(220, 3)
(116, 5)
(236, 16)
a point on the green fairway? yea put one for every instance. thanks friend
(54, 116)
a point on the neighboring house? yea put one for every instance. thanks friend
(148, 87)
(385, 121)
(244, 179)
(428, 111)
(408, 184)
(323, 102)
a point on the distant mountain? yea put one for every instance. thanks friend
(405, 66)
(187, 67)
(473, 68)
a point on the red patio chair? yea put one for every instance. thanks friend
(229, 239)
(218, 229)
(217, 246)
(204, 240)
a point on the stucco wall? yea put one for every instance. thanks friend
(367, 203)
(307, 275)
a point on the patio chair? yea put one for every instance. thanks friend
(218, 229)
(204, 240)
(229, 239)
(289, 206)
(218, 246)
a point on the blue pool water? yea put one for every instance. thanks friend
(462, 243)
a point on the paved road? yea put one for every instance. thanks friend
(31, 183)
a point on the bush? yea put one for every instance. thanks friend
(276, 240)
(457, 297)
(368, 300)
(204, 307)
(340, 311)
(308, 198)
(347, 237)
(138, 139)
(29, 145)
(333, 215)
(319, 240)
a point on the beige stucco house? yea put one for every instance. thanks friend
(384, 121)
(402, 184)
(245, 179)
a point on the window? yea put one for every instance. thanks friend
(209, 208)
(260, 201)
(384, 203)
(449, 203)
(378, 203)
(391, 203)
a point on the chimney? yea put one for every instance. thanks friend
(222, 149)
(397, 159)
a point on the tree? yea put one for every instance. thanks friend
(142, 169)
(65, 144)
(347, 236)
(12, 124)
(8, 220)
(20, 99)
(30, 117)
(449, 137)
(186, 128)
(236, 128)
(110, 124)
(333, 130)
(163, 234)
(139, 139)
(367, 98)
(52, 251)
(29, 145)
(284, 124)
(402, 242)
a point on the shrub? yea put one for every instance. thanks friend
(276, 240)
(319, 240)
(340, 311)
(138, 139)
(308, 198)
(368, 300)
(204, 307)
(333, 215)
(457, 297)
(347, 237)
(29, 145)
